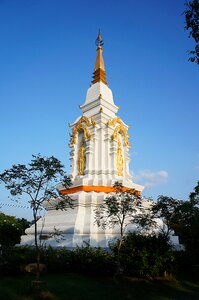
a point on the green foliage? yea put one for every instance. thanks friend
(37, 181)
(165, 209)
(11, 229)
(158, 217)
(139, 255)
(93, 260)
(117, 209)
(187, 223)
(192, 24)
(145, 255)
(14, 258)
(187, 264)
(194, 196)
(81, 259)
(182, 217)
(57, 260)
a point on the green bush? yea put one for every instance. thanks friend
(139, 256)
(93, 260)
(11, 229)
(81, 259)
(14, 258)
(56, 259)
(145, 255)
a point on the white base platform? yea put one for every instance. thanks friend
(77, 225)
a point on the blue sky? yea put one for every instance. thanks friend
(47, 55)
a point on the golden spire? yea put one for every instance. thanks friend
(99, 73)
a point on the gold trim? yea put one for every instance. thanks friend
(93, 122)
(76, 129)
(121, 129)
(114, 121)
(86, 120)
(80, 126)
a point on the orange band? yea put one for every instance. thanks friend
(94, 188)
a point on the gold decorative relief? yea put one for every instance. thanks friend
(76, 129)
(81, 162)
(121, 129)
(84, 119)
(114, 122)
(93, 122)
(80, 126)
(119, 161)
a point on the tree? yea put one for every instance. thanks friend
(194, 196)
(179, 216)
(118, 209)
(187, 221)
(165, 209)
(146, 255)
(37, 181)
(159, 216)
(11, 229)
(192, 24)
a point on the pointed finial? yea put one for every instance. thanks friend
(99, 70)
(99, 41)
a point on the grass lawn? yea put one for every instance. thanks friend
(75, 286)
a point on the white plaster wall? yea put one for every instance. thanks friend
(77, 225)
(96, 89)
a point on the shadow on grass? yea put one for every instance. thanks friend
(83, 287)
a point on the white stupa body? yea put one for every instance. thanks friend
(99, 157)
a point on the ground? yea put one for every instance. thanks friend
(83, 287)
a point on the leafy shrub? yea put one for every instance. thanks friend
(139, 256)
(145, 255)
(81, 259)
(93, 260)
(14, 258)
(11, 229)
(56, 259)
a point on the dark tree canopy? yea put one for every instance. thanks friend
(180, 217)
(146, 255)
(187, 221)
(11, 229)
(165, 209)
(192, 25)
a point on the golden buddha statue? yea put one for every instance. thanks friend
(119, 159)
(81, 162)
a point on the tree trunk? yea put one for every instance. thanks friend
(119, 270)
(37, 249)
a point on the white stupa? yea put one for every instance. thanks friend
(99, 157)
